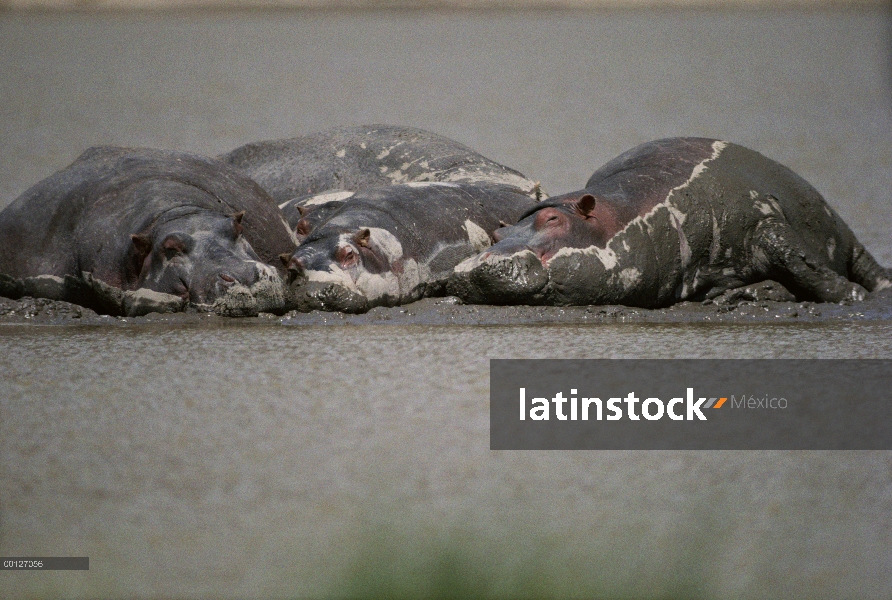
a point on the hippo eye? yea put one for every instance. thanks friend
(174, 245)
(347, 257)
(551, 219)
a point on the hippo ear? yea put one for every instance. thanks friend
(285, 257)
(301, 210)
(363, 237)
(303, 227)
(585, 205)
(237, 223)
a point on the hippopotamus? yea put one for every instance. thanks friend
(305, 172)
(398, 243)
(132, 230)
(306, 213)
(672, 220)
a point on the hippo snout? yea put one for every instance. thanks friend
(327, 296)
(496, 278)
(261, 291)
(509, 247)
(224, 281)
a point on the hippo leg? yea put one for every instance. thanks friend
(754, 292)
(804, 272)
(866, 271)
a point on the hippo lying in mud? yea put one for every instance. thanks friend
(307, 213)
(672, 220)
(131, 231)
(308, 175)
(396, 244)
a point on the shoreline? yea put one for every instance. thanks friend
(755, 305)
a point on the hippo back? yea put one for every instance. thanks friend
(639, 179)
(359, 157)
(108, 189)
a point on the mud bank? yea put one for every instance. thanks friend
(763, 303)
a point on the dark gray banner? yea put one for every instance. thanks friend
(773, 404)
(45, 563)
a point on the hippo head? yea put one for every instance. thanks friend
(313, 216)
(514, 270)
(339, 268)
(569, 221)
(302, 219)
(306, 213)
(198, 257)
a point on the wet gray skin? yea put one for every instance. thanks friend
(396, 244)
(197, 257)
(357, 157)
(672, 220)
(307, 176)
(185, 227)
(308, 212)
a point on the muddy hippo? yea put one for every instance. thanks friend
(305, 172)
(131, 230)
(671, 220)
(396, 244)
(306, 213)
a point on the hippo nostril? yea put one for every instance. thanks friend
(227, 278)
(181, 289)
(544, 255)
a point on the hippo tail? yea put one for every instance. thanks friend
(867, 272)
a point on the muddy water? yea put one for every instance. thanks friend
(293, 458)
(280, 460)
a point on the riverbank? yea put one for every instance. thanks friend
(762, 303)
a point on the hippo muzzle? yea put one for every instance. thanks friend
(316, 283)
(305, 296)
(500, 278)
(265, 293)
